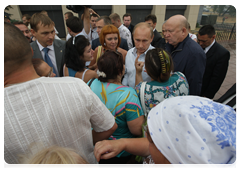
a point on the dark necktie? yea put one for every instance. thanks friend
(47, 59)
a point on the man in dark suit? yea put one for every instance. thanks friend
(100, 23)
(46, 47)
(216, 64)
(127, 19)
(152, 21)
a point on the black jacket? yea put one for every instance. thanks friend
(190, 59)
(216, 70)
(156, 39)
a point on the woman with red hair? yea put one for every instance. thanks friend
(110, 40)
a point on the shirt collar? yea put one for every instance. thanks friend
(149, 48)
(120, 26)
(41, 47)
(207, 48)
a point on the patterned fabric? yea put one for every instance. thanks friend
(194, 130)
(122, 102)
(156, 92)
(52, 111)
(126, 34)
(148, 160)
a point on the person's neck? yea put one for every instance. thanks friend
(21, 75)
(116, 81)
(174, 46)
(139, 53)
(74, 34)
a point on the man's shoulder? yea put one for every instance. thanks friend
(193, 46)
(219, 48)
(57, 41)
(95, 40)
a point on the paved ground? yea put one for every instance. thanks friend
(230, 78)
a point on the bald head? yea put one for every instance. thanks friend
(176, 29)
(17, 49)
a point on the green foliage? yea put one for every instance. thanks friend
(8, 7)
(223, 9)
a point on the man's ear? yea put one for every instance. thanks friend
(184, 30)
(68, 29)
(154, 24)
(213, 37)
(33, 32)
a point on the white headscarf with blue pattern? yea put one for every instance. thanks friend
(194, 130)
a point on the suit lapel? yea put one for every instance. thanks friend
(210, 52)
(58, 52)
(36, 51)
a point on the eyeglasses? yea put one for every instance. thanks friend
(50, 72)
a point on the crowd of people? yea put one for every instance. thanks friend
(114, 93)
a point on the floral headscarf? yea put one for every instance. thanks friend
(194, 130)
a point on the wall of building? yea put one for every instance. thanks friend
(138, 12)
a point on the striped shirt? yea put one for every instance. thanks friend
(52, 111)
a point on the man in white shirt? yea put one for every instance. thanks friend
(75, 27)
(142, 36)
(123, 31)
(47, 111)
(46, 47)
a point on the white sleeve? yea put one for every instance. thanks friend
(88, 36)
(125, 78)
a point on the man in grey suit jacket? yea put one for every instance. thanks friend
(42, 27)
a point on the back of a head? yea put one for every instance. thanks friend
(110, 63)
(108, 29)
(158, 64)
(143, 25)
(114, 16)
(53, 155)
(27, 16)
(69, 14)
(151, 17)
(17, 49)
(75, 24)
(74, 52)
(207, 29)
(105, 19)
(39, 18)
(37, 62)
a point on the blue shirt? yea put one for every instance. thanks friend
(130, 71)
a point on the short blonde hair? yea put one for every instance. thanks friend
(52, 155)
(39, 18)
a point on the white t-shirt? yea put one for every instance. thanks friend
(52, 111)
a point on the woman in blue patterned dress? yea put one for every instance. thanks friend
(122, 101)
(164, 84)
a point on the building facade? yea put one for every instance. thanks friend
(138, 12)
